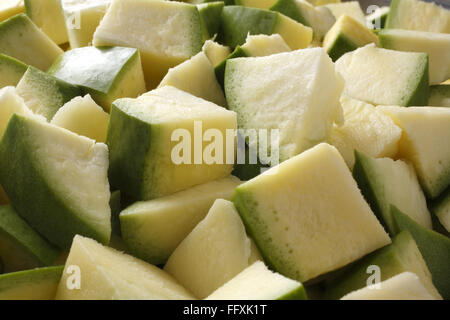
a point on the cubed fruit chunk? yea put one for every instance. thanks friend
(108, 274)
(311, 196)
(35, 284)
(106, 73)
(44, 94)
(385, 182)
(22, 39)
(9, 8)
(56, 180)
(401, 256)
(257, 282)
(404, 286)
(196, 76)
(439, 96)
(387, 77)
(213, 253)
(424, 142)
(11, 71)
(350, 8)
(365, 129)
(437, 45)
(296, 93)
(434, 247)
(21, 247)
(168, 122)
(442, 210)
(11, 103)
(238, 22)
(320, 19)
(347, 35)
(418, 15)
(260, 45)
(84, 117)
(215, 52)
(49, 17)
(152, 230)
(165, 32)
(82, 18)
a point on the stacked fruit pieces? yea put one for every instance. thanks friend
(224, 150)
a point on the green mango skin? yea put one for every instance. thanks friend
(247, 170)
(23, 279)
(11, 70)
(434, 247)
(355, 276)
(126, 157)
(115, 205)
(341, 46)
(238, 22)
(210, 13)
(422, 92)
(220, 69)
(31, 245)
(290, 9)
(52, 93)
(298, 294)
(33, 198)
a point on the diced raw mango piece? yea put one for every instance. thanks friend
(386, 77)
(434, 247)
(385, 182)
(296, 93)
(437, 45)
(82, 18)
(260, 45)
(108, 274)
(106, 73)
(215, 52)
(350, 8)
(238, 22)
(424, 142)
(49, 17)
(365, 129)
(347, 35)
(84, 117)
(418, 15)
(196, 76)
(152, 230)
(320, 19)
(56, 180)
(442, 210)
(35, 284)
(257, 282)
(311, 196)
(404, 286)
(165, 32)
(21, 247)
(260, 4)
(11, 71)
(439, 96)
(167, 123)
(213, 253)
(401, 256)
(44, 94)
(11, 103)
(20, 38)
(9, 8)
(377, 19)
(210, 13)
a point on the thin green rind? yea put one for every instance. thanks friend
(298, 294)
(393, 12)
(220, 69)
(290, 9)
(26, 238)
(210, 13)
(126, 157)
(115, 205)
(341, 45)
(434, 247)
(33, 198)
